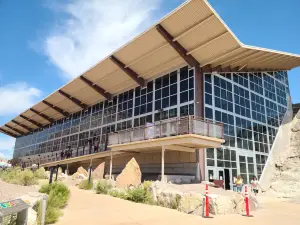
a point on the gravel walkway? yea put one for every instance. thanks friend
(12, 191)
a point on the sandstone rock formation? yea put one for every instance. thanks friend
(130, 176)
(98, 173)
(286, 181)
(82, 171)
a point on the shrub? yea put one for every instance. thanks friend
(139, 195)
(26, 178)
(58, 196)
(147, 184)
(40, 173)
(86, 185)
(118, 194)
(16, 176)
(103, 187)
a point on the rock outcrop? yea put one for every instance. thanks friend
(82, 171)
(286, 181)
(98, 173)
(130, 176)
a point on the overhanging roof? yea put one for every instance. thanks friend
(194, 25)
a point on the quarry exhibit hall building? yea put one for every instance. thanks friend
(184, 98)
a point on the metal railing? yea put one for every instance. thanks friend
(167, 128)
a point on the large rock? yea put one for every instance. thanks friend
(98, 173)
(130, 176)
(82, 171)
(189, 203)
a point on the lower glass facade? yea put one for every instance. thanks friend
(251, 106)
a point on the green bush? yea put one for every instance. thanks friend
(117, 194)
(40, 173)
(58, 193)
(139, 194)
(103, 187)
(27, 178)
(58, 196)
(16, 176)
(86, 185)
(147, 184)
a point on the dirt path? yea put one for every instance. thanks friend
(85, 207)
(12, 191)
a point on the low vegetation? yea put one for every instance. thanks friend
(58, 196)
(103, 186)
(86, 185)
(17, 176)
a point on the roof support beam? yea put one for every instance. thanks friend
(39, 125)
(96, 88)
(57, 109)
(177, 47)
(73, 99)
(50, 120)
(22, 125)
(9, 133)
(140, 81)
(14, 129)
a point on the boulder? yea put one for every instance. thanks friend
(98, 173)
(78, 176)
(82, 171)
(189, 203)
(130, 176)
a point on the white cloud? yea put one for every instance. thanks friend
(6, 147)
(16, 98)
(92, 29)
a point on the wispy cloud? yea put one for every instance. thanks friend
(92, 29)
(15, 98)
(6, 147)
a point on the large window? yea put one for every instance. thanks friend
(186, 85)
(256, 83)
(223, 94)
(260, 138)
(125, 105)
(242, 102)
(260, 163)
(228, 122)
(143, 100)
(258, 108)
(272, 113)
(244, 134)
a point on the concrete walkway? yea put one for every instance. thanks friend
(85, 207)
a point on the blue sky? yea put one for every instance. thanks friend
(46, 43)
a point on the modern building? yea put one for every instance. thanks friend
(186, 97)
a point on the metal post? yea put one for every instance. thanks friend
(56, 172)
(163, 164)
(44, 207)
(51, 175)
(110, 166)
(90, 172)
(67, 170)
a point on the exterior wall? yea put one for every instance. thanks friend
(251, 106)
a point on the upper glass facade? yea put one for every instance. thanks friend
(171, 95)
(251, 106)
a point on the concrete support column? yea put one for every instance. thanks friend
(163, 164)
(110, 166)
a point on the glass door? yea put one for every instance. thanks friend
(246, 168)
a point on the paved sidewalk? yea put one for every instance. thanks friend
(85, 207)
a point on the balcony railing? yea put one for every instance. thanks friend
(167, 128)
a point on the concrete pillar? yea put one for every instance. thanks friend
(110, 166)
(163, 164)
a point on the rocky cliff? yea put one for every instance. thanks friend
(286, 180)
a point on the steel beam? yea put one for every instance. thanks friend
(73, 99)
(49, 119)
(140, 81)
(9, 133)
(22, 125)
(57, 109)
(15, 129)
(96, 88)
(177, 47)
(39, 125)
